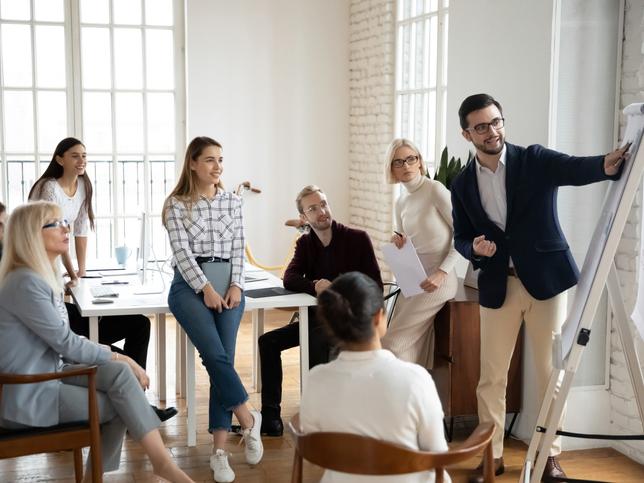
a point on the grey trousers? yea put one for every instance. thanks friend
(121, 406)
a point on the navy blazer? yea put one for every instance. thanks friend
(532, 236)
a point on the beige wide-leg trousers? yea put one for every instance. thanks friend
(499, 330)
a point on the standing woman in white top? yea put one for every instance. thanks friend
(423, 215)
(205, 225)
(66, 183)
(366, 390)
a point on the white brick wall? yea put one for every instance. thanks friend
(371, 117)
(624, 415)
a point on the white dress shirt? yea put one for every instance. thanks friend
(372, 393)
(492, 191)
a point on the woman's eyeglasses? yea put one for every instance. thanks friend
(57, 224)
(399, 163)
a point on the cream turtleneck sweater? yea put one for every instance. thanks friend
(424, 214)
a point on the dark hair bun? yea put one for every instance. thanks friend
(348, 306)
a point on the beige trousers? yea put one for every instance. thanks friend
(499, 330)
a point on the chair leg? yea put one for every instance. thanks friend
(97, 465)
(440, 474)
(488, 464)
(296, 476)
(78, 465)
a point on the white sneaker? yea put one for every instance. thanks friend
(222, 471)
(254, 449)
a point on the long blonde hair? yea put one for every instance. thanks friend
(24, 245)
(186, 188)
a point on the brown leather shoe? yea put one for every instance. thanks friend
(552, 470)
(477, 474)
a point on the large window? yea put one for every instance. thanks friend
(421, 74)
(110, 73)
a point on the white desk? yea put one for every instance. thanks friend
(129, 303)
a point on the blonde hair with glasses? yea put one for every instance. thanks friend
(391, 152)
(24, 245)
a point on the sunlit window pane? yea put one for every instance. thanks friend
(131, 185)
(126, 12)
(129, 234)
(160, 123)
(128, 59)
(50, 56)
(21, 175)
(49, 10)
(99, 245)
(158, 12)
(433, 51)
(52, 119)
(160, 59)
(99, 170)
(94, 11)
(19, 133)
(129, 122)
(95, 56)
(16, 55)
(97, 122)
(162, 181)
(15, 10)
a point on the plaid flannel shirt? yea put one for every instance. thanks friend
(212, 228)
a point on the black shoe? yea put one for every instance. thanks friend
(164, 414)
(272, 426)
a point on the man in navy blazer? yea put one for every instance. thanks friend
(505, 222)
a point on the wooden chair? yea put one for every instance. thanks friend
(68, 436)
(362, 455)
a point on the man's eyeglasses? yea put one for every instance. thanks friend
(410, 160)
(57, 224)
(315, 209)
(496, 123)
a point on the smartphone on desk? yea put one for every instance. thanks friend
(103, 301)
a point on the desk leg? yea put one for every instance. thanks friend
(190, 393)
(183, 341)
(304, 346)
(93, 329)
(258, 329)
(161, 356)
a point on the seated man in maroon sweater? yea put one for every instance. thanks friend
(327, 251)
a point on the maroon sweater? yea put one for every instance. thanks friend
(350, 250)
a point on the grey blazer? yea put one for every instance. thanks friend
(34, 334)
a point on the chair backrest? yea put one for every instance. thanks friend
(70, 436)
(355, 454)
(390, 294)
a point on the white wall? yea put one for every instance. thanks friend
(502, 48)
(269, 80)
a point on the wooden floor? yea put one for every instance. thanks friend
(602, 464)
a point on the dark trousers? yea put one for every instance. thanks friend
(135, 329)
(271, 346)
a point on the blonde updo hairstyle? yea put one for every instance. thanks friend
(391, 152)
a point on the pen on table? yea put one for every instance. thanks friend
(397, 233)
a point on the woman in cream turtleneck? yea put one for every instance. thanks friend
(423, 215)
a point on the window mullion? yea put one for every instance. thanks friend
(179, 38)
(115, 173)
(3, 155)
(147, 188)
(74, 73)
(34, 91)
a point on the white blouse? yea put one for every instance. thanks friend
(372, 393)
(73, 210)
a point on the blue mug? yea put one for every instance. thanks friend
(122, 253)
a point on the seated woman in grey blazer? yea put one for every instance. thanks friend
(36, 338)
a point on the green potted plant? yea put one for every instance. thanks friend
(446, 170)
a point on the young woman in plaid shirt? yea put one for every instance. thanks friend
(204, 223)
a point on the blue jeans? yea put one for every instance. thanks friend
(214, 335)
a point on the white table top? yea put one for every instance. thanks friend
(128, 302)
